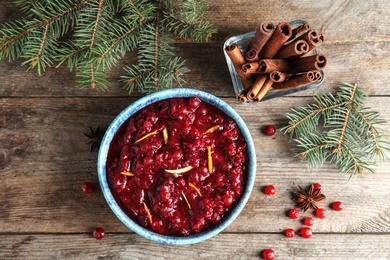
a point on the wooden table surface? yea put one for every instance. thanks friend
(44, 158)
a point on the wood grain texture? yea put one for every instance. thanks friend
(46, 157)
(223, 246)
(357, 53)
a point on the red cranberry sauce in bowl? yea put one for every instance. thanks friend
(178, 166)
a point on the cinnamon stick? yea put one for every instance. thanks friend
(278, 76)
(297, 80)
(262, 35)
(312, 38)
(317, 76)
(235, 55)
(299, 30)
(242, 96)
(252, 92)
(269, 65)
(313, 62)
(293, 49)
(264, 90)
(250, 67)
(279, 37)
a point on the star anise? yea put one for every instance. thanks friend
(309, 198)
(95, 138)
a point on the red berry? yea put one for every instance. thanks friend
(269, 130)
(321, 213)
(317, 186)
(87, 187)
(289, 233)
(293, 213)
(270, 190)
(306, 232)
(337, 205)
(98, 233)
(268, 254)
(308, 221)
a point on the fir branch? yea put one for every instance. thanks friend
(96, 23)
(157, 45)
(372, 132)
(71, 55)
(349, 136)
(131, 2)
(305, 119)
(14, 34)
(188, 27)
(92, 35)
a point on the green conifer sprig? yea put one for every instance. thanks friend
(91, 36)
(340, 129)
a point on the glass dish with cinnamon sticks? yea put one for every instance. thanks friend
(274, 61)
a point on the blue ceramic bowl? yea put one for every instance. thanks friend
(143, 102)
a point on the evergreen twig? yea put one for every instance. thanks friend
(91, 36)
(340, 129)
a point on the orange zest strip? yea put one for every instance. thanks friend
(145, 136)
(180, 171)
(195, 188)
(130, 174)
(212, 129)
(185, 198)
(165, 135)
(148, 212)
(209, 159)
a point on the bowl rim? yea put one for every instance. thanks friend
(135, 107)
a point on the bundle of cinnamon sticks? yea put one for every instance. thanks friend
(277, 58)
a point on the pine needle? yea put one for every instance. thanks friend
(91, 36)
(340, 129)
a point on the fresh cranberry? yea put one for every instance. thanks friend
(98, 233)
(194, 102)
(270, 190)
(306, 232)
(317, 186)
(337, 205)
(269, 130)
(308, 221)
(87, 187)
(289, 232)
(228, 198)
(294, 213)
(321, 213)
(268, 254)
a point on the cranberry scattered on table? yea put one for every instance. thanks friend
(289, 232)
(270, 190)
(306, 232)
(268, 254)
(87, 187)
(321, 213)
(308, 221)
(270, 130)
(177, 166)
(317, 186)
(294, 213)
(98, 233)
(337, 205)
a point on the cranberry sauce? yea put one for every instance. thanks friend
(177, 166)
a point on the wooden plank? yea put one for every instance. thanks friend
(45, 160)
(350, 59)
(339, 20)
(363, 63)
(223, 246)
